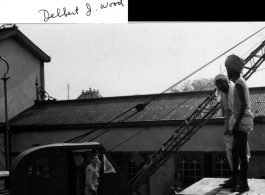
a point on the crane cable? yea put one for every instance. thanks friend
(104, 131)
(162, 116)
(252, 47)
(78, 138)
(182, 103)
(206, 64)
(140, 107)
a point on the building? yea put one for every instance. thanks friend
(26, 65)
(132, 137)
(89, 94)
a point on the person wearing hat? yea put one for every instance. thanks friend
(224, 93)
(240, 123)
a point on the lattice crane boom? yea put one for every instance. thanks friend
(204, 112)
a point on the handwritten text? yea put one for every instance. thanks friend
(119, 3)
(47, 15)
(64, 12)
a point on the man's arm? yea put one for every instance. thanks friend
(242, 98)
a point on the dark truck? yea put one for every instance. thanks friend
(52, 169)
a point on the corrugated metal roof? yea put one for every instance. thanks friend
(171, 106)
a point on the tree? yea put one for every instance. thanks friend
(202, 84)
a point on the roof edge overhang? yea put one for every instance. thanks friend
(33, 48)
(190, 93)
(96, 126)
(38, 102)
(136, 124)
(19, 36)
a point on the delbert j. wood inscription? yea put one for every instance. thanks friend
(65, 12)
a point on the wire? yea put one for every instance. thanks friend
(150, 100)
(205, 65)
(104, 131)
(260, 69)
(164, 115)
(78, 138)
(186, 78)
(253, 47)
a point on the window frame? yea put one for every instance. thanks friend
(226, 169)
(186, 170)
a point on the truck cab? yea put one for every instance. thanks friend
(54, 169)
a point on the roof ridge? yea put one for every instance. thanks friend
(14, 31)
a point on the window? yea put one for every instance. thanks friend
(129, 165)
(118, 159)
(190, 169)
(195, 169)
(222, 167)
(133, 168)
(43, 167)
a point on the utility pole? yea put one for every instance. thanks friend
(68, 91)
(7, 137)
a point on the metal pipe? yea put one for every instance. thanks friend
(7, 137)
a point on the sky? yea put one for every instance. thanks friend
(138, 58)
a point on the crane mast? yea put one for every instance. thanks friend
(204, 112)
